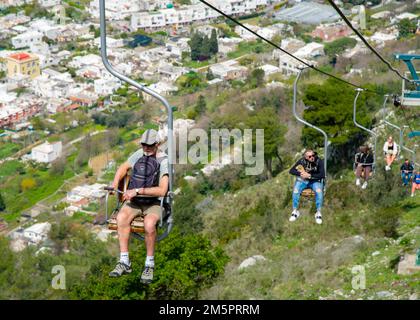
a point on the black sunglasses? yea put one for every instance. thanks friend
(148, 145)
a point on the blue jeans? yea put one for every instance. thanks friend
(316, 186)
(406, 177)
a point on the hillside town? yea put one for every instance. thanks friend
(60, 137)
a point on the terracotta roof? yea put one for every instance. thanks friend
(20, 56)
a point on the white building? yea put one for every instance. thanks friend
(197, 12)
(26, 39)
(47, 152)
(10, 3)
(106, 87)
(406, 15)
(229, 70)
(37, 233)
(116, 9)
(269, 69)
(160, 87)
(110, 42)
(49, 3)
(381, 15)
(380, 37)
(290, 65)
(169, 73)
(92, 192)
(311, 50)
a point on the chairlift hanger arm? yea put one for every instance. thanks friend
(137, 85)
(375, 136)
(307, 123)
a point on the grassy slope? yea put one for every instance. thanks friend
(308, 261)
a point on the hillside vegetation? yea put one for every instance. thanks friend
(308, 261)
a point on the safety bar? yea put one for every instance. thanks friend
(141, 88)
(359, 90)
(307, 123)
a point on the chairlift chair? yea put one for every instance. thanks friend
(358, 91)
(166, 223)
(137, 225)
(308, 193)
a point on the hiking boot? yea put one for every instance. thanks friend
(120, 269)
(294, 216)
(357, 182)
(318, 217)
(364, 186)
(147, 275)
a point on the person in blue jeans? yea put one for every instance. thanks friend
(406, 172)
(416, 183)
(310, 173)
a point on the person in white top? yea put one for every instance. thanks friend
(391, 151)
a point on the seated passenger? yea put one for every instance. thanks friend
(391, 151)
(416, 183)
(310, 174)
(406, 172)
(364, 163)
(150, 178)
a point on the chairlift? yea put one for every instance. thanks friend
(308, 193)
(373, 164)
(137, 227)
(410, 97)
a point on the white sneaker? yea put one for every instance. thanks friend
(357, 182)
(387, 168)
(318, 217)
(294, 216)
(364, 186)
(412, 195)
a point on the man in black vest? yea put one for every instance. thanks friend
(149, 181)
(310, 173)
(406, 172)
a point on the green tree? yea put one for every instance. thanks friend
(330, 107)
(334, 48)
(268, 120)
(209, 75)
(190, 82)
(406, 27)
(256, 78)
(214, 46)
(205, 49)
(195, 45)
(2, 203)
(187, 264)
(58, 167)
(200, 107)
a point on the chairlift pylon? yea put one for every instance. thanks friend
(410, 97)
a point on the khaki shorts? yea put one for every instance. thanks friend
(143, 209)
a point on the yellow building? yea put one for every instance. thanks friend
(23, 63)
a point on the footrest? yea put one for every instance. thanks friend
(137, 225)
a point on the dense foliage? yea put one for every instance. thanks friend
(330, 106)
(184, 265)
